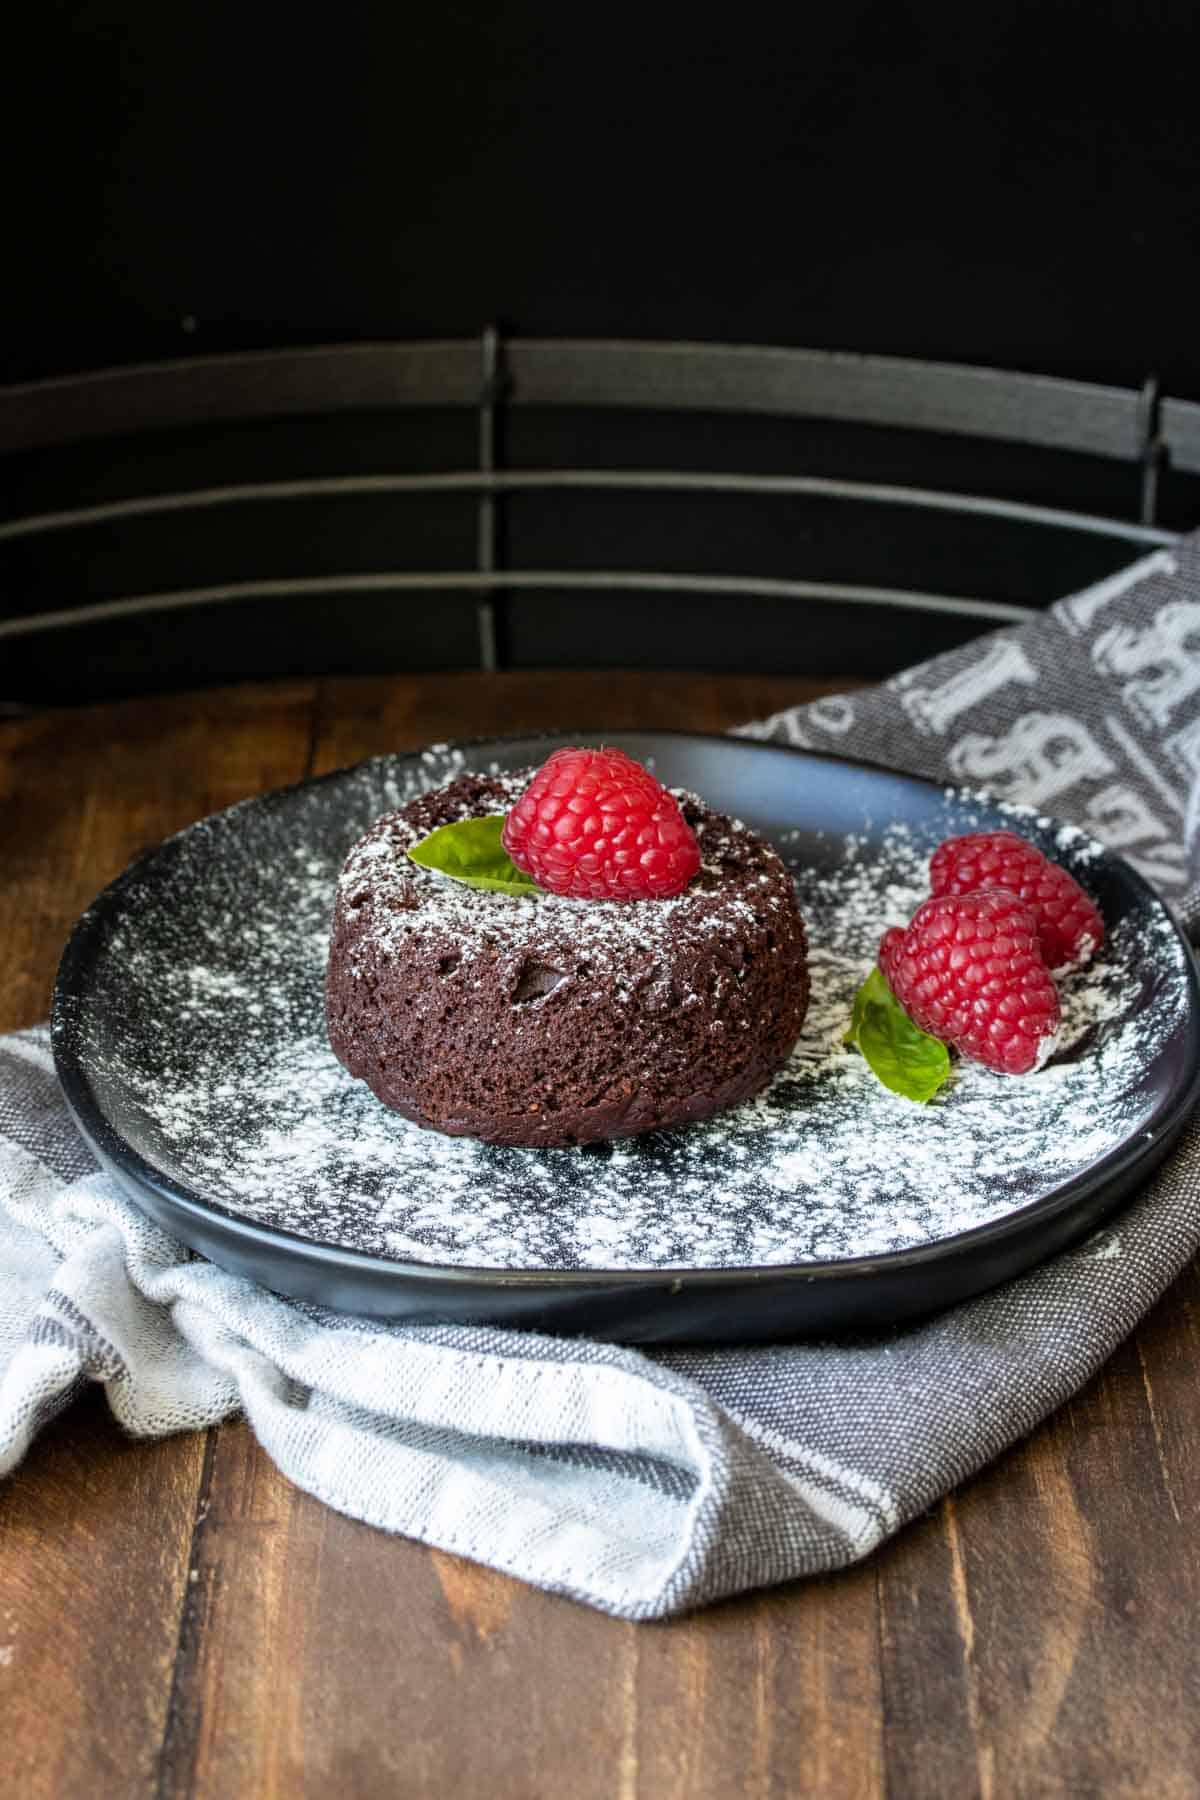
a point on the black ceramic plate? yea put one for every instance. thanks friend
(188, 1031)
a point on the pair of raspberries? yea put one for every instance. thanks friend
(974, 966)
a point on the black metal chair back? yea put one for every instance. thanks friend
(556, 502)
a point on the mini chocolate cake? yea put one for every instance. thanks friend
(551, 1021)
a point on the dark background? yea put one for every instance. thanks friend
(1011, 184)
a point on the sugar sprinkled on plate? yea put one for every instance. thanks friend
(215, 1043)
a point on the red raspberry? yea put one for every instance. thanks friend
(1069, 925)
(967, 969)
(596, 825)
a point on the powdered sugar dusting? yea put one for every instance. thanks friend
(602, 935)
(206, 1039)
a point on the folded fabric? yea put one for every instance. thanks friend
(650, 1483)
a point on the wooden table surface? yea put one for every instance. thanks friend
(176, 1619)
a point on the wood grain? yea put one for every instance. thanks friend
(1081, 1550)
(96, 1531)
(176, 1619)
(83, 792)
(94, 1538)
(358, 718)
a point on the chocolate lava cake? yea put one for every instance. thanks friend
(550, 1021)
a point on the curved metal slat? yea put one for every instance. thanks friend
(493, 482)
(877, 390)
(638, 581)
(250, 385)
(1179, 423)
(871, 390)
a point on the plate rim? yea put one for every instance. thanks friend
(1119, 1165)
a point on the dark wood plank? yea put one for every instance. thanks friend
(1038, 1628)
(1080, 1552)
(95, 1530)
(931, 1740)
(363, 717)
(83, 792)
(772, 1695)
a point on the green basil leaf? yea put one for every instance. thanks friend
(906, 1060)
(470, 851)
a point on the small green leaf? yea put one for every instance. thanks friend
(470, 851)
(906, 1060)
